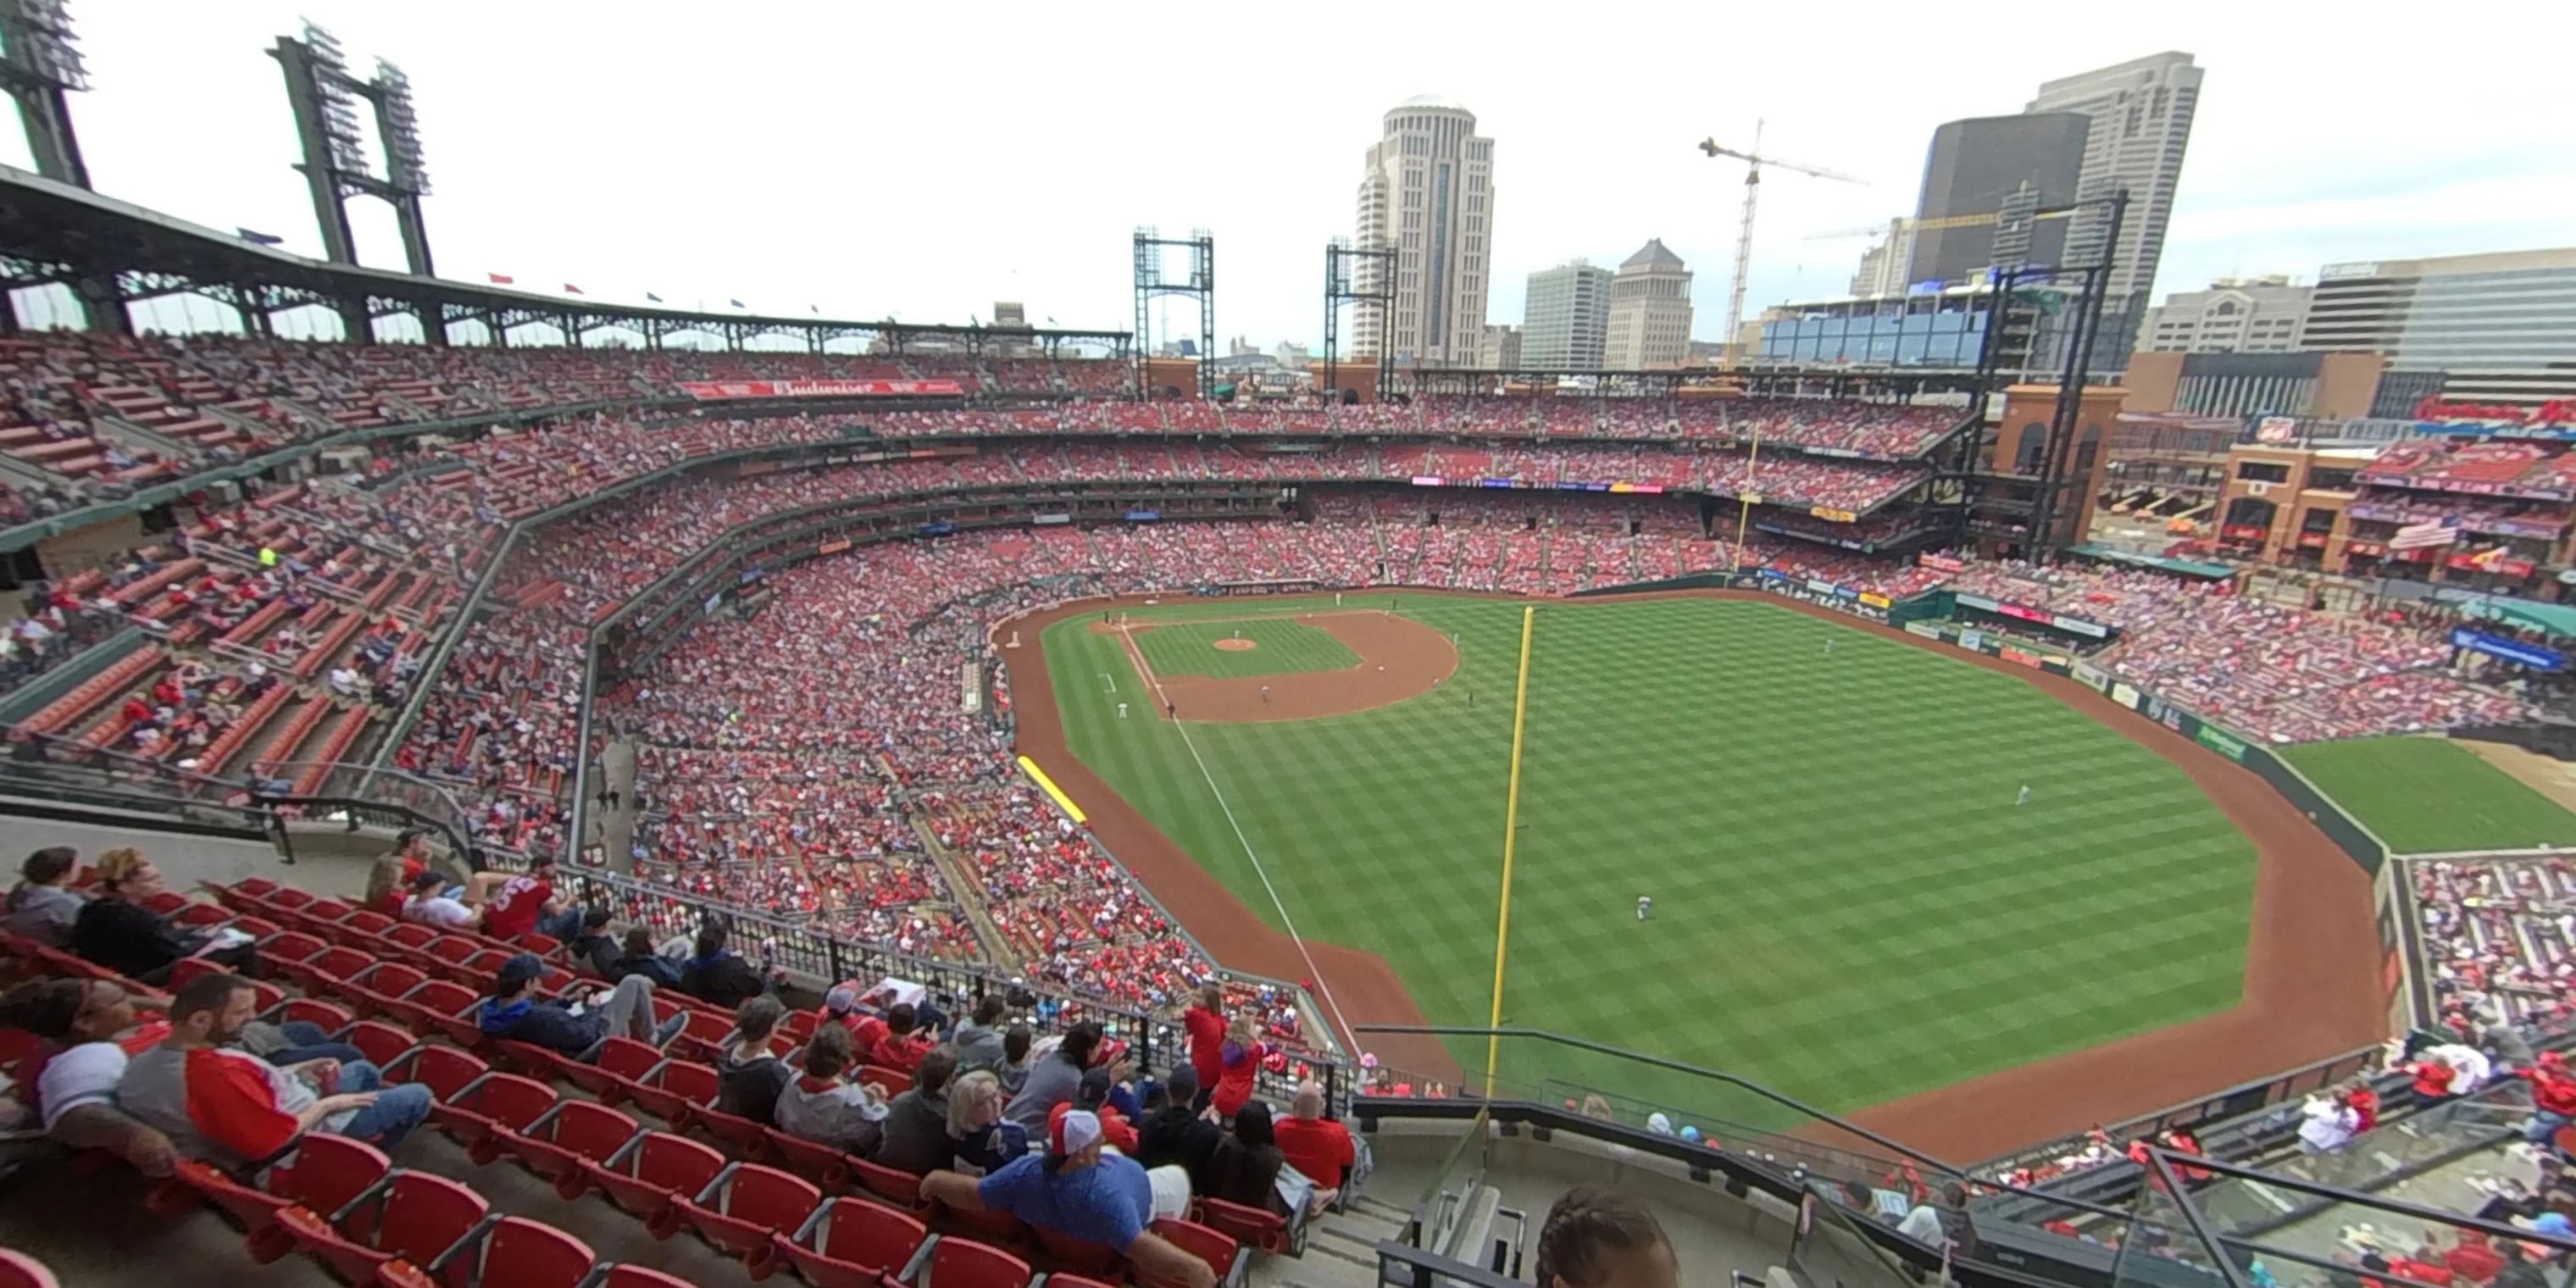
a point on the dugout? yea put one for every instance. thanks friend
(2074, 632)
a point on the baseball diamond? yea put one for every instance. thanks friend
(1849, 903)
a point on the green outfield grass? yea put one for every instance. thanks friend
(1849, 906)
(1279, 647)
(2430, 794)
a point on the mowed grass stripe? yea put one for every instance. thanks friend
(1849, 905)
(1279, 646)
(2429, 794)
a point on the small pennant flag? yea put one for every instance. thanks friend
(501, 279)
(259, 238)
(651, 296)
(735, 303)
(570, 289)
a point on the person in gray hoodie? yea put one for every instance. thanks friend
(979, 1040)
(43, 906)
(914, 1136)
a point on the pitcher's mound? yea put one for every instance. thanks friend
(1237, 646)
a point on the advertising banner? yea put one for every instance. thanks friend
(2090, 677)
(717, 389)
(1973, 641)
(1875, 600)
(2514, 651)
(2023, 656)
(832, 547)
(1941, 563)
(1924, 629)
(2225, 744)
(2124, 695)
(1834, 516)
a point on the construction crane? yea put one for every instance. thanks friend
(1936, 223)
(1753, 163)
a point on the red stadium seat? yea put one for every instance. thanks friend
(1224, 1256)
(900, 1188)
(631, 1276)
(1251, 1226)
(850, 1244)
(702, 1037)
(748, 1204)
(329, 1018)
(380, 1042)
(1082, 1256)
(18, 1270)
(653, 1173)
(622, 1063)
(964, 1263)
(496, 1101)
(378, 990)
(510, 1252)
(446, 1071)
(821, 1164)
(675, 1090)
(324, 1172)
(749, 1140)
(411, 1215)
(572, 1135)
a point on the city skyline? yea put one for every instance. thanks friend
(788, 199)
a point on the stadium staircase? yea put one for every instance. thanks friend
(970, 893)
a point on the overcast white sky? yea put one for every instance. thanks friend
(926, 160)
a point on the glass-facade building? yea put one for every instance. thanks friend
(2500, 328)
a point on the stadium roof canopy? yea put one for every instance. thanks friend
(2557, 619)
(2179, 567)
(110, 252)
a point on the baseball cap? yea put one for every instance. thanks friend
(1077, 1131)
(521, 968)
(841, 999)
(1094, 1089)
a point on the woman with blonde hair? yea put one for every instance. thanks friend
(118, 930)
(385, 891)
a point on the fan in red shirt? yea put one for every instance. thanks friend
(1316, 1146)
(1093, 1097)
(1205, 1021)
(2473, 1260)
(900, 1043)
(1241, 1057)
(516, 904)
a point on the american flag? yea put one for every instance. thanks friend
(2416, 536)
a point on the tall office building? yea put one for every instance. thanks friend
(1428, 196)
(1987, 164)
(2141, 113)
(1650, 311)
(2235, 315)
(2501, 328)
(1565, 319)
(1882, 266)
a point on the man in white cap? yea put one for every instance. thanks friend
(1078, 1189)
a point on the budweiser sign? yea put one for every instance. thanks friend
(713, 389)
(2559, 411)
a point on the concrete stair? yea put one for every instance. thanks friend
(1341, 1249)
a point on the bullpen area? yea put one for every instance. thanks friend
(1878, 868)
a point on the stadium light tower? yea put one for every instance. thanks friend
(40, 63)
(326, 97)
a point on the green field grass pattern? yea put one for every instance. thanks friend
(2427, 794)
(1849, 904)
(1280, 646)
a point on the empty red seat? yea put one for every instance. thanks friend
(411, 1215)
(637, 1277)
(18, 1270)
(964, 1263)
(821, 1164)
(512, 1252)
(1251, 1226)
(327, 971)
(379, 988)
(654, 1172)
(895, 1081)
(901, 1188)
(363, 929)
(565, 1138)
(446, 1071)
(1225, 1258)
(847, 1243)
(746, 1205)
(1082, 1256)
(749, 1140)
(622, 1063)
(702, 1037)
(324, 1172)
(380, 1042)
(496, 1102)
(446, 1009)
(675, 1090)
(314, 1011)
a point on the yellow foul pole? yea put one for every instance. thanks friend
(1511, 831)
(1745, 500)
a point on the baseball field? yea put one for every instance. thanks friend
(2426, 795)
(1853, 901)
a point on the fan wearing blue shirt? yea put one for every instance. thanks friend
(1078, 1189)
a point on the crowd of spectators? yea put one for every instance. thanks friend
(2497, 940)
(2280, 673)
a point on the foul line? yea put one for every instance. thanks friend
(1314, 973)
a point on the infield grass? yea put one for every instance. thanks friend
(1278, 648)
(2431, 794)
(1849, 905)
